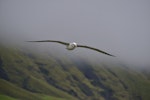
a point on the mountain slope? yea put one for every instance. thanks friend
(27, 75)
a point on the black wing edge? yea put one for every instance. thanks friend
(51, 41)
(96, 50)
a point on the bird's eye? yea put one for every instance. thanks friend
(72, 45)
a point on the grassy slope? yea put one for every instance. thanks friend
(137, 84)
(16, 92)
(4, 97)
(30, 76)
(45, 97)
(23, 73)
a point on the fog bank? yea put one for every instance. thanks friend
(121, 28)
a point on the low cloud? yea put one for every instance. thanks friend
(117, 27)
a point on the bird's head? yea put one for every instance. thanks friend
(72, 46)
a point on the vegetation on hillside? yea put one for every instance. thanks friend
(29, 76)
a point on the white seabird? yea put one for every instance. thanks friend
(73, 45)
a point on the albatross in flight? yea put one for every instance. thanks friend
(73, 45)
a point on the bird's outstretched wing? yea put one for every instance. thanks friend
(84, 46)
(64, 43)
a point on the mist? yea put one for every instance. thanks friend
(121, 28)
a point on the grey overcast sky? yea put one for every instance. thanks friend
(120, 27)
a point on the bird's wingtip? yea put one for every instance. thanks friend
(112, 55)
(30, 41)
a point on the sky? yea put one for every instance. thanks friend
(120, 27)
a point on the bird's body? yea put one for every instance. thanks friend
(73, 45)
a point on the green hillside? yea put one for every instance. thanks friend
(25, 75)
